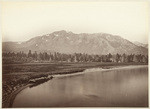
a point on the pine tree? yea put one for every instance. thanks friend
(29, 54)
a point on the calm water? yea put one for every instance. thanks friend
(119, 87)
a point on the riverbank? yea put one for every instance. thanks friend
(16, 82)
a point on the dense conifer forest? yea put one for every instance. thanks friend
(22, 57)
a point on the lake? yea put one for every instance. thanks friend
(120, 87)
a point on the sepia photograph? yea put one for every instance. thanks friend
(71, 54)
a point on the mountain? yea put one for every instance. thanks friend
(140, 44)
(68, 42)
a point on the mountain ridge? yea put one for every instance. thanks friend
(69, 42)
(140, 44)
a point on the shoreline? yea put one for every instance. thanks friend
(12, 96)
(99, 69)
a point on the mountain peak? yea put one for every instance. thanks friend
(61, 31)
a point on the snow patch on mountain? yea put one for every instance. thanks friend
(19, 42)
(67, 37)
(56, 34)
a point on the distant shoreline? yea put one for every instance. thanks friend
(100, 69)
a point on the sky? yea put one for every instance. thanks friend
(21, 21)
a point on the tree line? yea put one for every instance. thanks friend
(10, 57)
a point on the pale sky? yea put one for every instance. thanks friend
(21, 21)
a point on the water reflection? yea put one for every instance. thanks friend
(124, 87)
